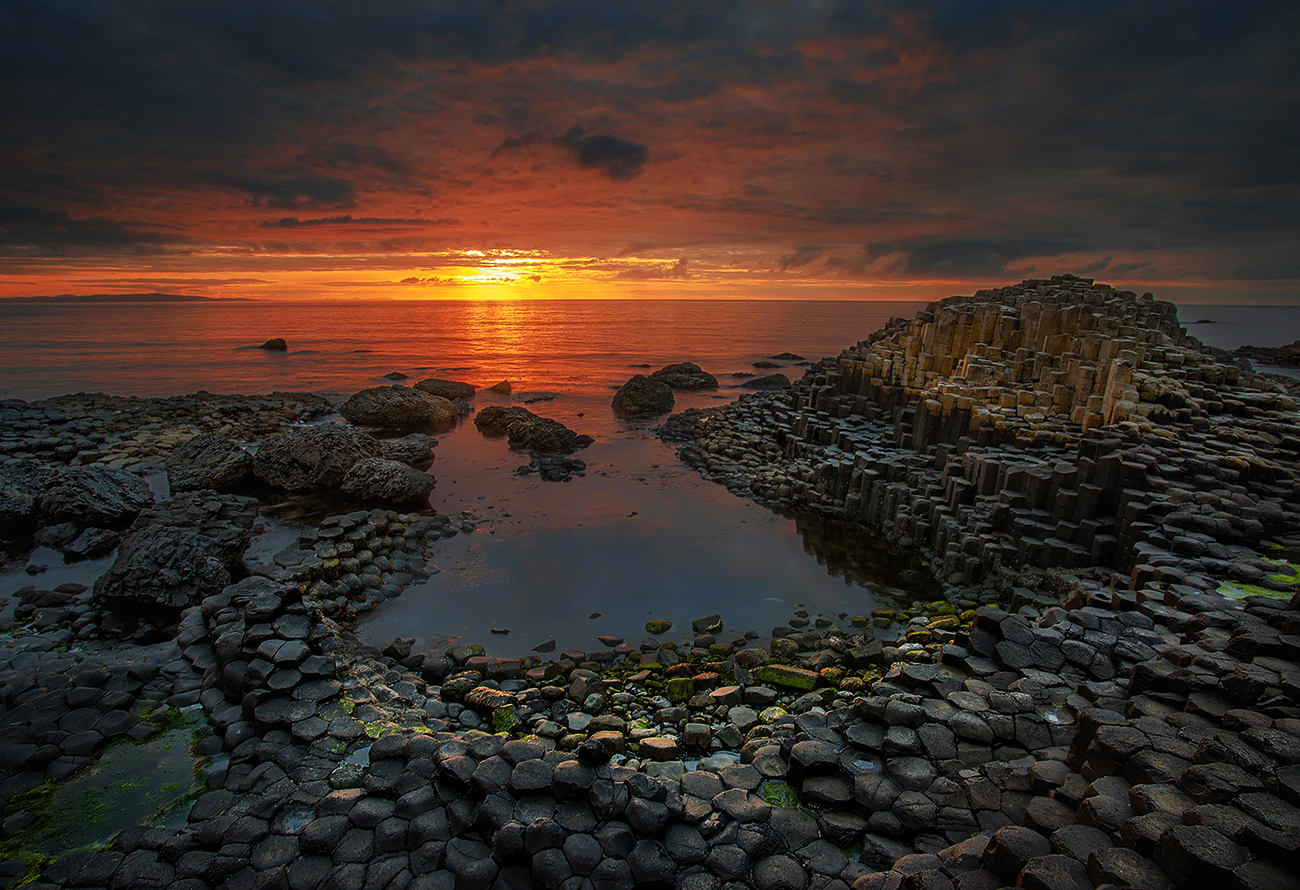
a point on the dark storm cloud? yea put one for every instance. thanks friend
(959, 257)
(616, 158)
(988, 132)
(613, 156)
(293, 222)
(30, 230)
(800, 256)
(292, 191)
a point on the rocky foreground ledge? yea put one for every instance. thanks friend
(1108, 696)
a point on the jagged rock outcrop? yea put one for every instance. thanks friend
(388, 481)
(99, 496)
(415, 450)
(178, 552)
(314, 457)
(208, 461)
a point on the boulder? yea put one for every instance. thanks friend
(314, 457)
(685, 376)
(275, 344)
(496, 419)
(399, 408)
(93, 496)
(21, 484)
(528, 430)
(415, 450)
(177, 553)
(545, 435)
(769, 381)
(447, 389)
(208, 461)
(377, 479)
(643, 395)
(503, 388)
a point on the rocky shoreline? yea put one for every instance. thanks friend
(1108, 695)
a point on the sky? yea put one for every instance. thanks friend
(823, 150)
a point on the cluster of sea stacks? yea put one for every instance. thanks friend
(1108, 696)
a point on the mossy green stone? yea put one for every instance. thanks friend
(680, 689)
(505, 719)
(772, 714)
(658, 626)
(859, 621)
(709, 624)
(786, 677)
(779, 794)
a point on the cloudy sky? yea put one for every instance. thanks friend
(399, 148)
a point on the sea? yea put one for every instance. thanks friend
(639, 536)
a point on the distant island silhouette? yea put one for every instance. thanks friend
(127, 298)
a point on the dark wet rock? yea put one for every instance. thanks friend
(524, 429)
(1194, 856)
(415, 450)
(21, 484)
(398, 408)
(685, 376)
(387, 481)
(275, 344)
(179, 552)
(1279, 356)
(314, 457)
(98, 497)
(396, 375)
(502, 387)
(643, 395)
(208, 461)
(768, 382)
(451, 390)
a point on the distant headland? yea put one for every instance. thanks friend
(126, 298)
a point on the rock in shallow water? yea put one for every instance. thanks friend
(643, 395)
(685, 376)
(447, 389)
(396, 407)
(377, 479)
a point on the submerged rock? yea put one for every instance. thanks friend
(503, 388)
(447, 389)
(275, 344)
(396, 407)
(685, 376)
(378, 479)
(769, 381)
(643, 395)
(208, 461)
(314, 457)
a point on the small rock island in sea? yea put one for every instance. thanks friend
(1107, 695)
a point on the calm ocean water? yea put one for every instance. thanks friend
(143, 349)
(336, 348)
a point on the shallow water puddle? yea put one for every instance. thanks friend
(151, 783)
(639, 537)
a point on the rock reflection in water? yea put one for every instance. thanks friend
(859, 555)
